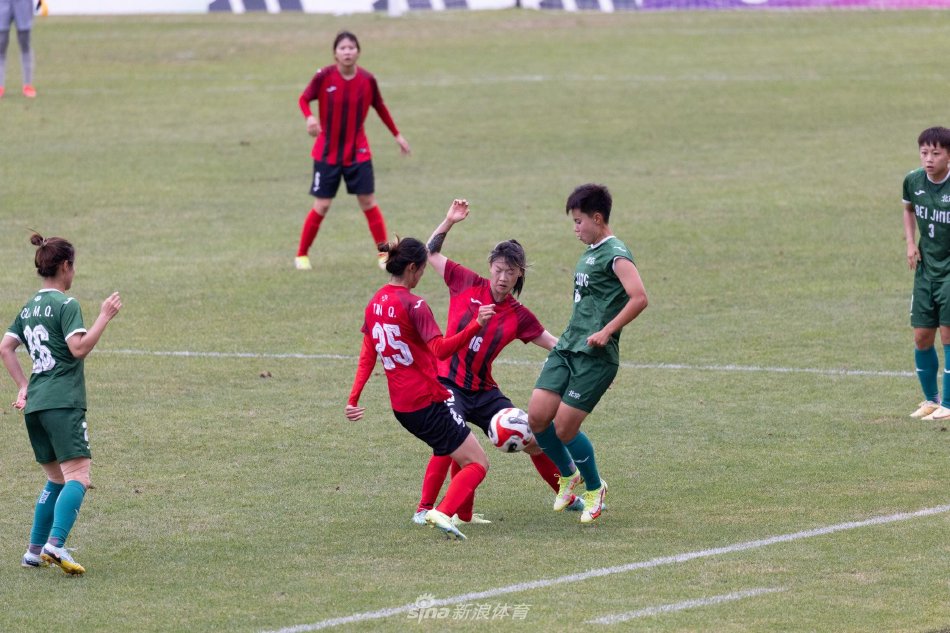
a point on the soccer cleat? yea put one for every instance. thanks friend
(477, 519)
(940, 414)
(29, 91)
(302, 262)
(33, 561)
(924, 409)
(60, 557)
(381, 259)
(594, 503)
(419, 518)
(438, 519)
(565, 491)
(576, 505)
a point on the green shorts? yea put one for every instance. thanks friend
(58, 434)
(930, 303)
(579, 379)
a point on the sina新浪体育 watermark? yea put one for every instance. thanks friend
(427, 608)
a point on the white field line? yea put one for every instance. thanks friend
(681, 606)
(531, 363)
(619, 569)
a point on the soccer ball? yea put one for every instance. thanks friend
(509, 430)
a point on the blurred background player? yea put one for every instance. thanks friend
(926, 198)
(476, 396)
(21, 13)
(399, 329)
(345, 93)
(608, 294)
(54, 399)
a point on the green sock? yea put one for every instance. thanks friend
(43, 514)
(583, 453)
(927, 364)
(552, 446)
(946, 377)
(66, 511)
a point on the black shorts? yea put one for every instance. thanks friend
(476, 407)
(326, 179)
(436, 426)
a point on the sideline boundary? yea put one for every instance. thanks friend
(686, 604)
(619, 569)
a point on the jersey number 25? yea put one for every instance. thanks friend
(386, 336)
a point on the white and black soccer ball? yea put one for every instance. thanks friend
(509, 430)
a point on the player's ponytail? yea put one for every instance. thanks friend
(513, 254)
(51, 252)
(403, 252)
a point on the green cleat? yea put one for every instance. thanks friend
(438, 519)
(594, 503)
(565, 492)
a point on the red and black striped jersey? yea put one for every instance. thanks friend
(470, 367)
(343, 106)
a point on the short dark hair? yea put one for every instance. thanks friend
(513, 254)
(403, 252)
(345, 35)
(51, 253)
(590, 199)
(936, 136)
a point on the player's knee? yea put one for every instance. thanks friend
(82, 478)
(565, 434)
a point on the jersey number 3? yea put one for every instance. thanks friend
(387, 339)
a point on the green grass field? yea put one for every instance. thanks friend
(756, 162)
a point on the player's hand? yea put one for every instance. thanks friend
(20, 403)
(598, 339)
(111, 306)
(313, 126)
(354, 414)
(913, 256)
(403, 145)
(485, 313)
(458, 211)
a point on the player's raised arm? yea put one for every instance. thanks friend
(457, 212)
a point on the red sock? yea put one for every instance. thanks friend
(546, 468)
(432, 481)
(465, 510)
(309, 232)
(377, 225)
(462, 487)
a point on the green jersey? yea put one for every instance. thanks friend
(598, 297)
(43, 325)
(931, 202)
